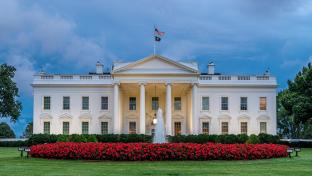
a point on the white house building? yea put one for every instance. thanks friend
(125, 100)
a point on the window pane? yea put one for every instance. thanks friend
(132, 127)
(85, 103)
(65, 127)
(66, 103)
(244, 128)
(132, 103)
(263, 127)
(263, 103)
(205, 103)
(46, 103)
(155, 103)
(104, 127)
(205, 127)
(225, 127)
(177, 103)
(85, 127)
(177, 128)
(224, 103)
(104, 103)
(243, 103)
(46, 127)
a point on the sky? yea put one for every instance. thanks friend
(239, 36)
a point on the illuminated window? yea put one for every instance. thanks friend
(104, 127)
(177, 128)
(225, 127)
(205, 127)
(132, 127)
(244, 127)
(263, 103)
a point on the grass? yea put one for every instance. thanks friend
(11, 164)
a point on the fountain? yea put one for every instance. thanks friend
(160, 136)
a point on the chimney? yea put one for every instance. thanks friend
(211, 68)
(99, 68)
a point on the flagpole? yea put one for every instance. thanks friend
(154, 47)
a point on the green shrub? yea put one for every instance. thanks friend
(13, 143)
(63, 138)
(41, 139)
(253, 139)
(268, 138)
(242, 138)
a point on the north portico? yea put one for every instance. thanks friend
(155, 82)
(125, 100)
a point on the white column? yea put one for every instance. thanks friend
(142, 108)
(168, 109)
(116, 119)
(195, 120)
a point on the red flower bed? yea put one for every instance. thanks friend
(147, 151)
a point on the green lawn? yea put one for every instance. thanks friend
(12, 164)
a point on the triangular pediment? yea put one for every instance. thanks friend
(155, 65)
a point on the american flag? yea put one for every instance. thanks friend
(159, 33)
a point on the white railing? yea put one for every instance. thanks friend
(73, 77)
(235, 77)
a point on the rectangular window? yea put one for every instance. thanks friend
(243, 103)
(263, 103)
(177, 128)
(66, 103)
(263, 127)
(132, 103)
(225, 127)
(132, 127)
(205, 127)
(85, 128)
(177, 103)
(244, 127)
(205, 103)
(46, 127)
(65, 127)
(104, 127)
(85, 103)
(104, 103)
(46, 103)
(224, 103)
(155, 103)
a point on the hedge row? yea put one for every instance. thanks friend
(154, 152)
(226, 139)
(130, 138)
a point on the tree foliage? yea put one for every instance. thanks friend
(6, 131)
(295, 105)
(9, 106)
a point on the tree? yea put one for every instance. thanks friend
(9, 106)
(295, 105)
(28, 130)
(6, 131)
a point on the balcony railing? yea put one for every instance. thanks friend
(235, 77)
(73, 77)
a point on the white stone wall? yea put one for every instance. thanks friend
(56, 115)
(253, 116)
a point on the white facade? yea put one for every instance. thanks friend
(121, 101)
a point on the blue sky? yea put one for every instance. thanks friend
(241, 36)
